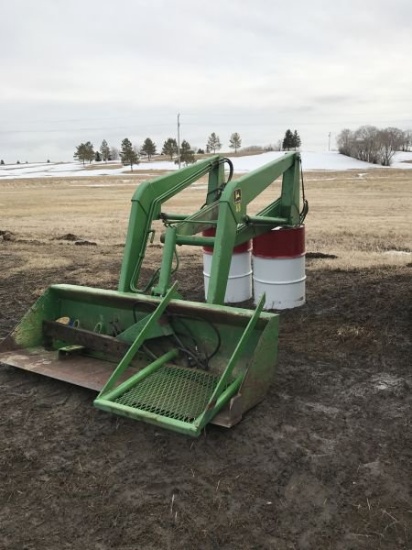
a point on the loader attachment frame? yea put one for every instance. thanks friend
(225, 209)
(240, 346)
(151, 355)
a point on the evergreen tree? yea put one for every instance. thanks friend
(170, 148)
(149, 148)
(187, 155)
(89, 151)
(297, 142)
(79, 154)
(287, 140)
(105, 151)
(235, 142)
(213, 143)
(128, 154)
(84, 152)
(2, 162)
(97, 156)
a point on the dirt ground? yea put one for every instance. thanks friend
(325, 462)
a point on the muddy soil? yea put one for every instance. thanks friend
(325, 462)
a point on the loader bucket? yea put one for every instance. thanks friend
(169, 362)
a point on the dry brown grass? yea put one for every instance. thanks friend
(330, 446)
(102, 166)
(362, 219)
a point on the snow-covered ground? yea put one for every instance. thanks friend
(310, 161)
(401, 159)
(62, 169)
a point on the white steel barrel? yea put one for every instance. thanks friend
(239, 284)
(279, 267)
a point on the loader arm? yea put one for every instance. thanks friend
(146, 204)
(228, 214)
(235, 227)
(160, 359)
(225, 209)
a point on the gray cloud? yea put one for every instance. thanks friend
(75, 70)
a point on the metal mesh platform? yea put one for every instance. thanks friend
(173, 392)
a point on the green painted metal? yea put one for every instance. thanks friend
(140, 338)
(167, 259)
(233, 209)
(146, 205)
(195, 241)
(204, 218)
(158, 358)
(240, 333)
(169, 396)
(158, 330)
(225, 209)
(265, 220)
(166, 394)
(214, 404)
(107, 395)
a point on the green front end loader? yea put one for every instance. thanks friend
(150, 354)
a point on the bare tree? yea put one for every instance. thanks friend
(344, 142)
(390, 141)
(407, 140)
(114, 153)
(370, 144)
(367, 144)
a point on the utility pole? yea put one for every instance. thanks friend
(329, 136)
(178, 138)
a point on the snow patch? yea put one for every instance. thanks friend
(328, 161)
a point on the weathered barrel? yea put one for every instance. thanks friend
(279, 267)
(239, 285)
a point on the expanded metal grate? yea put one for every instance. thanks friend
(174, 392)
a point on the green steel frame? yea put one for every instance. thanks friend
(150, 382)
(225, 209)
(125, 344)
(169, 403)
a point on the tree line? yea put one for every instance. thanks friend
(371, 144)
(130, 154)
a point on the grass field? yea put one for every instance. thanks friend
(363, 219)
(323, 463)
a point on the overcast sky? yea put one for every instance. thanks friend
(73, 71)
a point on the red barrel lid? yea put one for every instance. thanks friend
(287, 242)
